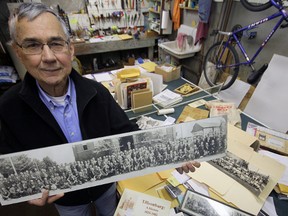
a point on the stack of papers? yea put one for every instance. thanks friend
(282, 187)
(167, 98)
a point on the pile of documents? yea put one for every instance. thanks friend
(276, 142)
(167, 98)
(232, 192)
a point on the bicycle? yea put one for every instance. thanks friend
(221, 62)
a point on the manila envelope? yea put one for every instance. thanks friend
(228, 188)
(214, 195)
(141, 183)
(236, 135)
(165, 174)
(193, 113)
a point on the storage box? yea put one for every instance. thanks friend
(168, 75)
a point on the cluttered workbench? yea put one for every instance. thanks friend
(220, 187)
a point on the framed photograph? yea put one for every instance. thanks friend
(197, 204)
(174, 192)
(186, 89)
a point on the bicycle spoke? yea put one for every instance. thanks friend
(216, 65)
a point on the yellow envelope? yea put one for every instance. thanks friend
(140, 184)
(128, 73)
(149, 66)
(165, 174)
(283, 188)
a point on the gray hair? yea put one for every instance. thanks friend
(31, 11)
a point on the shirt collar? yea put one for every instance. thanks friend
(46, 97)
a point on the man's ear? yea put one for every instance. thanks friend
(17, 51)
(71, 50)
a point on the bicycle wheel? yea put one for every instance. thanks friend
(256, 5)
(216, 62)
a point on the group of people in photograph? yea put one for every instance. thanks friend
(200, 207)
(209, 144)
(239, 169)
(150, 153)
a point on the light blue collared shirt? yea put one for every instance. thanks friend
(66, 113)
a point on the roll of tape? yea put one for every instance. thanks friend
(165, 111)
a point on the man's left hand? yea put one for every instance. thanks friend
(188, 167)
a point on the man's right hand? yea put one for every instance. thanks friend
(45, 199)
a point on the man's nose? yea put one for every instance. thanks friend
(47, 53)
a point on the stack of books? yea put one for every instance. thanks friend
(124, 90)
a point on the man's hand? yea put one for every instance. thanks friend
(45, 199)
(189, 166)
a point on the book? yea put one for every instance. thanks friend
(133, 203)
(133, 87)
(141, 100)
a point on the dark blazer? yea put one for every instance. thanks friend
(26, 123)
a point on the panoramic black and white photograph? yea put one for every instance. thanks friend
(197, 204)
(242, 171)
(99, 161)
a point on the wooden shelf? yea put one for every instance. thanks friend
(161, 6)
(157, 23)
(189, 8)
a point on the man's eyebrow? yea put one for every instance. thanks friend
(38, 40)
(30, 40)
(56, 38)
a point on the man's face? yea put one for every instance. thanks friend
(49, 68)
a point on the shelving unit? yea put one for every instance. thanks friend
(155, 19)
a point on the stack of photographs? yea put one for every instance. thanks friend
(197, 204)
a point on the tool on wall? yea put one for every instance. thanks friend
(65, 18)
(122, 4)
(96, 5)
(104, 12)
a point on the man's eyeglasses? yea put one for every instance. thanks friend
(36, 47)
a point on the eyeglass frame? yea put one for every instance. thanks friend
(67, 42)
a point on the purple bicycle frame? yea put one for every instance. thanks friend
(282, 12)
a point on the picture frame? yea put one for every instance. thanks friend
(186, 89)
(197, 204)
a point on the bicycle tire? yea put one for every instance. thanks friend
(215, 76)
(256, 7)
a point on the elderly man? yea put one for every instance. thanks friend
(55, 105)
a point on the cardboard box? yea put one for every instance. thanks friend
(168, 76)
